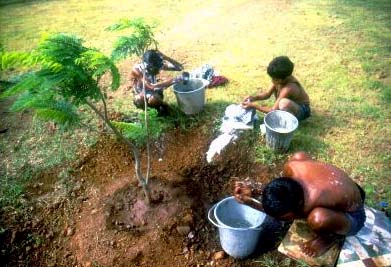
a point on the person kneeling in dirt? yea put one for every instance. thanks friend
(322, 194)
(290, 95)
(153, 62)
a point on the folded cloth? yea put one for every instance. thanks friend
(217, 81)
(206, 72)
(236, 113)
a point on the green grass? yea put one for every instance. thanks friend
(37, 149)
(269, 260)
(341, 51)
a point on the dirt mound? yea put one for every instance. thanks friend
(99, 217)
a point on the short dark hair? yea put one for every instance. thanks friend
(283, 195)
(153, 59)
(280, 67)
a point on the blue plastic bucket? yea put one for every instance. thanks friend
(238, 234)
(191, 95)
(280, 126)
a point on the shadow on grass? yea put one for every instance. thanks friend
(211, 113)
(310, 134)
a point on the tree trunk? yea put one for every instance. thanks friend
(133, 149)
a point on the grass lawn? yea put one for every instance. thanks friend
(341, 51)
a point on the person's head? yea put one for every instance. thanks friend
(283, 196)
(153, 61)
(280, 68)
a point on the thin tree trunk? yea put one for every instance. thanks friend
(147, 129)
(132, 147)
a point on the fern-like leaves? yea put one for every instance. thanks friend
(48, 107)
(137, 42)
(65, 75)
(136, 131)
(98, 64)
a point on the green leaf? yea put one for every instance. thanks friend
(28, 82)
(58, 114)
(137, 42)
(99, 64)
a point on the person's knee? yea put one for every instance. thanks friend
(288, 105)
(285, 104)
(155, 101)
(324, 220)
(138, 101)
(318, 218)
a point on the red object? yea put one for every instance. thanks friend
(217, 81)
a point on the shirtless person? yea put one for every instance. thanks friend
(153, 62)
(290, 95)
(322, 194)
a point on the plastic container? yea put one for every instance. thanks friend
(238, 235)
(191, 95)
(231, 213)
(280, 126)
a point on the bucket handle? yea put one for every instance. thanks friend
(213, 220)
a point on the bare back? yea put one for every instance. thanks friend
(324, 186)
(292, 90)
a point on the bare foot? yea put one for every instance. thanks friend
(318, 246)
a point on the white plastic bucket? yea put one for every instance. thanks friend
(280, 126)
(238, 235)
(191, 95)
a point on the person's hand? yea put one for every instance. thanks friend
(242, 192)
(248, 104)
(248, 98)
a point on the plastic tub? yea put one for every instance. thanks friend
(191, 95)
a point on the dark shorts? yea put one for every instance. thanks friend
(357, 220)
(358, 217)
(304, 113)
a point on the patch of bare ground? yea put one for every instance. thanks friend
(99, 217)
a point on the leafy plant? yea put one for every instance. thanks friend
(66, 76)
(136, 131)
(141, 38)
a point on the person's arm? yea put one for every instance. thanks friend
(263, 109)
(289, 91)
(246, 193)
(265, 95)
(284, 93)
(261, 95)
(167, 83)
(172, 65)
(137, 78)
(249, 102)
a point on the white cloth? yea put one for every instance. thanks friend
(235, 119)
